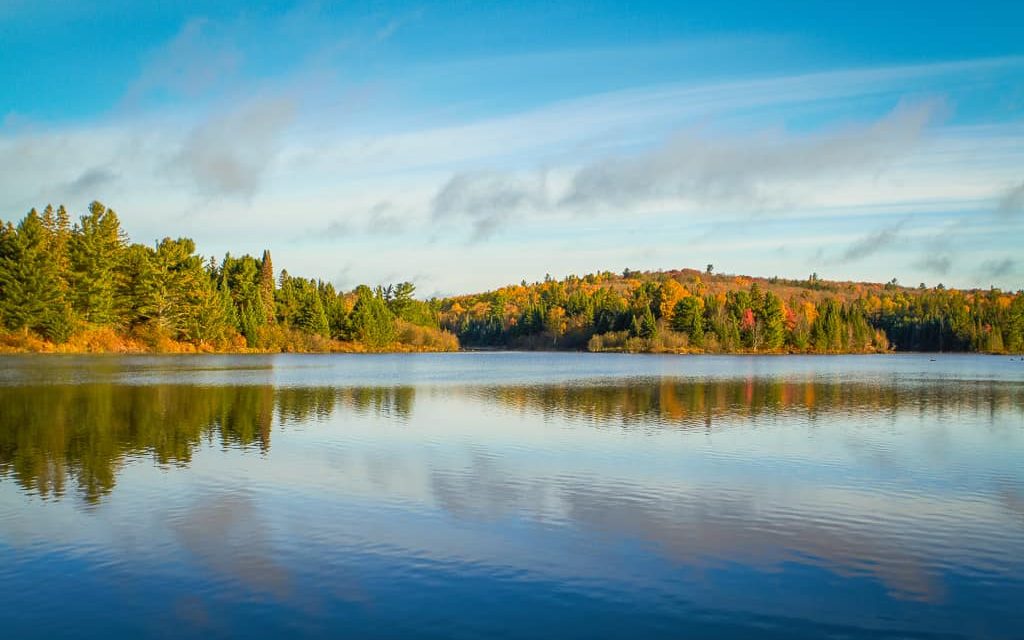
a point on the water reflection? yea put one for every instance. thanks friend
(687, 403)
(781, 506)
(53, 434)
(50, 435)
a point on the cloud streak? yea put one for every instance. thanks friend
(89, 181)
(998, 268)
(872, 243)
(489, 199)
(690, 171)
(1012, 202)
(198, 58)
(229, 154)
(745, 173)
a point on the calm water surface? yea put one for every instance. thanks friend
(512, 495)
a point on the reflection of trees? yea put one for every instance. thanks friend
(53, 434)
(50, 434)
(677, 402)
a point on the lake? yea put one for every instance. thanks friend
(512, 495)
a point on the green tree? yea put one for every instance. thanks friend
(774, 321)
(401, 301)
(372, 323)
(266, 285)
(96, 251)
(312, 317)
(32, 292)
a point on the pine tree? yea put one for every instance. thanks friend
(214, 319)
(287, 300)
(647, 327)
(402, 302)
(774, 322)
(267, 288)
(372, 322)
(312, 318)
(32, 293)
(97, 249)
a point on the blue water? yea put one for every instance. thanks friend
(512, 495)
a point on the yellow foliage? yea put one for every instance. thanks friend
(809, 310)
(480, 309)
(671, 293)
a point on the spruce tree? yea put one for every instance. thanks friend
(32, 293)
(312, 318)
(372, 322)
(96, 251)
(266, 285)
(774, 321)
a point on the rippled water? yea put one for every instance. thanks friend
(512, 495)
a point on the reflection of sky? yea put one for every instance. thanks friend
(905, 519)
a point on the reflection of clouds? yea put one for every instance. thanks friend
(905, 542)
(488, 488)
(226, 534)
(228, 537)
(1013, 500)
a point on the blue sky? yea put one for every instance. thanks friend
(466, 145)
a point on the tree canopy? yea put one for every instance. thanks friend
(85, 286)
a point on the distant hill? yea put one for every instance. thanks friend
(694, 311)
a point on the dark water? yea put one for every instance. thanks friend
(512, 495)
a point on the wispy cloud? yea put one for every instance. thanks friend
(872, 243)
(1012, 202)
(199, 57)
(489, 199)
(740, 173)
(394, 24)
(998, 267)
(229, 154)
(745, 172)
(939, 264)
(89, 182)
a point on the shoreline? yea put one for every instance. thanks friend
(415, 350)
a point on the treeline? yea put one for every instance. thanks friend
(83, 286)
(701, 312)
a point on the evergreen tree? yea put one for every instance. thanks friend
(32, 293)
(774, 321)
(312, 317)
(214, 319)
(372, 322)
(287, 300)
(266, 285)
(96, 253)
(402, 301)
(645, 326)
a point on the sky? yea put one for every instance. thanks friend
(467, 145)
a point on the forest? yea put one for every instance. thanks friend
(84, 287)
(691, 311)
